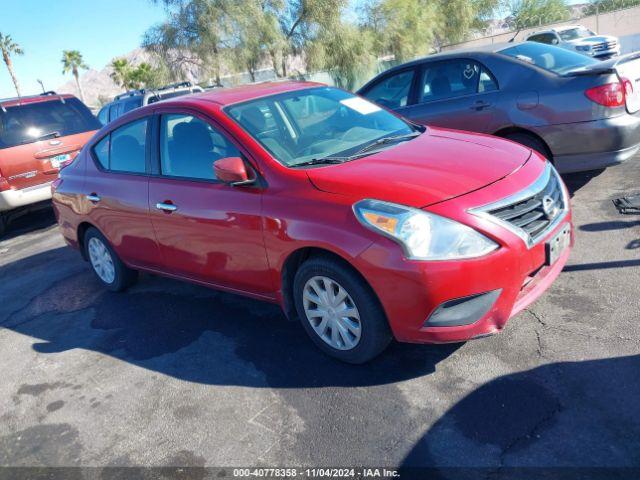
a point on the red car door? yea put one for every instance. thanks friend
(206, 230)
(117, 191)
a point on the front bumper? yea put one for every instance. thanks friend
(411, 291)
(595, 144)
(11, 199)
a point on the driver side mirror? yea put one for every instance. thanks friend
(232, 171)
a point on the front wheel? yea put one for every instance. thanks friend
(106, 264)
(339, 311)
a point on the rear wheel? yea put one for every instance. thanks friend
(339, 311)
(530, 141)
(106, 264)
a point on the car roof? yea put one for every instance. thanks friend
(43, 97)
(566, 27)
(449, 54)
(243, 93)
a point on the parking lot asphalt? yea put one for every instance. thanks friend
(179, 375)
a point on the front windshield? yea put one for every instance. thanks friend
(554, 59)
(300, 126)
(573, 33)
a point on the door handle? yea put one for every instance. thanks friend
(92, 197)
(167, 207)
(479, 105)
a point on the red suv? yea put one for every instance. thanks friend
(38, 135)
(362, 225)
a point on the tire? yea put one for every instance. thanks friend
(3, 223)
(116, 276)
(530, 141)
(365, 331)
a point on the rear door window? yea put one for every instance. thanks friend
(455, 78)
(392, 91)
(103, 115)
(31, 122)
(123, 150)
(131, 104)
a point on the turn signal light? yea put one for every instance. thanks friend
(609, 95)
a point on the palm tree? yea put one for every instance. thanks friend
(71, 62)
(8, 48)
(121, 72)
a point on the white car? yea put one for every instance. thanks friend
(579, 39)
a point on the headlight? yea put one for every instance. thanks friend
(423, 235)
(583, 48)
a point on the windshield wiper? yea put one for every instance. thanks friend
(359, 153)
(386, 140)
(322, 161)
(42, 137)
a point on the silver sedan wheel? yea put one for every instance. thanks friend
(101, 260)
(332, 313)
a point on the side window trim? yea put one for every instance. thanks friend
(99, 166)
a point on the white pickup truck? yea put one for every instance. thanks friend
(579, 39)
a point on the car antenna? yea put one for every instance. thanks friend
(514, 37)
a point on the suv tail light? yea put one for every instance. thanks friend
(609, 95)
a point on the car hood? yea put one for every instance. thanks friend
(436, 166)
(592, 40)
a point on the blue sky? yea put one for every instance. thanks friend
(99, 29)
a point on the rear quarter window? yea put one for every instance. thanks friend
(123, 150)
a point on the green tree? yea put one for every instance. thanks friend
(532, 13)
(72, 62)
(257, 35)
(8, 48)
(402, 28)
(121, 73)
(196, 34)
(458, 18)
(345, 52)
(301, 21)
(144, 75)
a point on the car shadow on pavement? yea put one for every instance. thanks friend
(189, 332)
(29, 222)
(610, 225)
(575, 181)
(529, 424)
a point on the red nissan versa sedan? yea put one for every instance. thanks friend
(361, 224)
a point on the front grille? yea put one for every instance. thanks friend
(533, 212)
(601, 47)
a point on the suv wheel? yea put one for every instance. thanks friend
(106, 264)
(339, 311)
